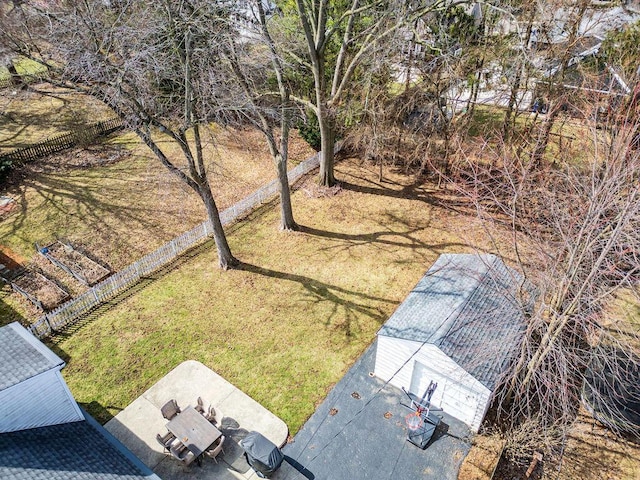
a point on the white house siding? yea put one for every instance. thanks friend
(39, 401)
(458, 393)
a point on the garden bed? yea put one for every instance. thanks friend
(39, 290)
(74, 262)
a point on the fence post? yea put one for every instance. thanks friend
(46, 320)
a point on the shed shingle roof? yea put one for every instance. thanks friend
(22, 356)
(467, 305)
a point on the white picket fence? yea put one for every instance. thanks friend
(67, 313)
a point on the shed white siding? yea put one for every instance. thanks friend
(39, 401)
(410, 364)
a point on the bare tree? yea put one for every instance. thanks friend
(154, 64)
(246, 59)
(339, 37)
(555, 91)
(577, 238)
(520, 71)
(418, 46)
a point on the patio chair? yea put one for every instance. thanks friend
(177, 449)
(214, 416)
(170, 409)
(189, 458)
(180, 452)
(165, 440)
(200, 406)
(217, 448)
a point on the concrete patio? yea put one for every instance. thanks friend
(137, 425)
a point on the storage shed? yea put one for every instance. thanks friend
(460, 327)
(32, 390)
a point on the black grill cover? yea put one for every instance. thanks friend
(263, 456)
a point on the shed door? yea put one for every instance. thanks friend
(451, 395)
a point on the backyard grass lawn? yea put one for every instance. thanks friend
(118, 203)
(28, 117)
(288, 325)
(117, 199)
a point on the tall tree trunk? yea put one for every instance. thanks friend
(281, 159)
(543, 138)
(225, 259)
(286, 212)
(327, 139)
(475, 88)
(200, 184)
(507, 124)
(557, 86)
(281, 156)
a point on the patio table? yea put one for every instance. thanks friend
(193, 430)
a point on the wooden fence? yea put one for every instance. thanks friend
(62, 142)
(69, 312)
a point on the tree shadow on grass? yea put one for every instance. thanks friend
(450, 199)
(352, 303)
(41, 107)
(87, 318)
(411, 191)
(76, 195)
(395, 234)
(383, 238)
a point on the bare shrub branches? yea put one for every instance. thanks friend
(576, 237)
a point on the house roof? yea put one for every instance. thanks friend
(23, 356)
(466, 304)
(77, 450)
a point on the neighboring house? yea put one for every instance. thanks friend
(461, 326)
(44, 434)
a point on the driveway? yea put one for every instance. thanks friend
(359, 432)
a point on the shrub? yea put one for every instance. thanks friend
(309, 129)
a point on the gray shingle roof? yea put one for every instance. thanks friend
(467, 305)
(70, 451)
(22, 356)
